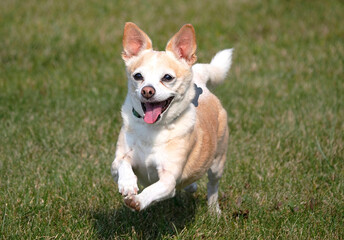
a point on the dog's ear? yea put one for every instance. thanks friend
(134, 41)
(183, 44)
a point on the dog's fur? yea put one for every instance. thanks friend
(169, 149)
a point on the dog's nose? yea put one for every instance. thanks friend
(147, 92)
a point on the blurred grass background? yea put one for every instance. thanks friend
(62, 83)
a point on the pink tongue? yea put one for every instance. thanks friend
(152, 112)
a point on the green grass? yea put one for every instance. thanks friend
(62, 83)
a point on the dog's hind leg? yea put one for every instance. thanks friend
(216, 170)
(191, 188)
(214, 175)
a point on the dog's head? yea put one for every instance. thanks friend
(159, 82)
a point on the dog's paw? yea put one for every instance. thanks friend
(128, 186)
(132, 202)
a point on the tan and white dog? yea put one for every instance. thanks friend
(174, 129)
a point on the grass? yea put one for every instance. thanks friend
(62, 83)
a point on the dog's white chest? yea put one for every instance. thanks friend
(147, 158)
(146, 170)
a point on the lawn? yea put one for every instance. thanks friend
(62, 83)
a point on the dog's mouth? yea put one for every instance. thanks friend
(153, 110)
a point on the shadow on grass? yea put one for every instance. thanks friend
(166, 218)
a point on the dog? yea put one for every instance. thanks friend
(174, 129)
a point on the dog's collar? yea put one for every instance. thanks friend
(136, 114)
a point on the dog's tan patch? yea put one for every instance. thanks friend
(210, 133)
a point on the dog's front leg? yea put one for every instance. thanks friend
(124, 176)
(162, 189)
(121, 169)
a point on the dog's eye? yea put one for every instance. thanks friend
(167, 78)
(138, 76)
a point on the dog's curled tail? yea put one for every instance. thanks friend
(216, 71)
